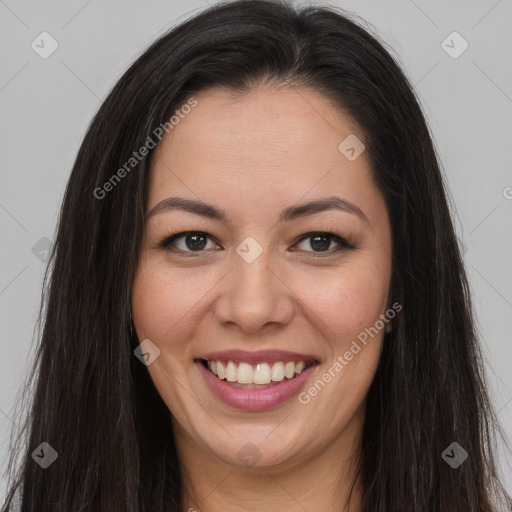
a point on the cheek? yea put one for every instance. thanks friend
(347, 301)
(169, 303)
(163, 305)
(159, 302)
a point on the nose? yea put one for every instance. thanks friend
(254, 296)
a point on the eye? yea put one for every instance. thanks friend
(196, 241)
(321, 241)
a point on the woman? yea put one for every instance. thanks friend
(257, 299)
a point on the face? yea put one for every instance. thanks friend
(266, 295)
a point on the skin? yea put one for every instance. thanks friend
(253, 155)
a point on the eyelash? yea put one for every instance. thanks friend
(167, 240)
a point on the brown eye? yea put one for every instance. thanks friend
(189, 242)
(321, 242)
(194, 241)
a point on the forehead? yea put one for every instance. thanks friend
(277, 143)
(278, 121)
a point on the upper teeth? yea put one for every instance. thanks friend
(261, 373)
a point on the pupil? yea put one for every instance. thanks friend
(321, 246)
(195, 244)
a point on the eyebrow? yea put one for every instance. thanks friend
(287, 215)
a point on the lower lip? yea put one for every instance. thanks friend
(254, 399)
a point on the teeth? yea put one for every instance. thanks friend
(278, 372)
(213, 366)
(245, 373)
(289, 370)
(300, 367)
(221, 373)
(231, 373)
(261, 373)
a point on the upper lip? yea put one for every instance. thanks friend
(260, 356)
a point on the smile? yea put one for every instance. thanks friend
(256, 376)
(255, 386)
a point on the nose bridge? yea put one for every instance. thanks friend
(253, 296)
(253, 276)
(252, 283)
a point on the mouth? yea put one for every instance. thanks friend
(255, 382)
(244, 375)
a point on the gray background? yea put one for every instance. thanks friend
(46, 105)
